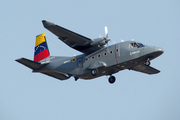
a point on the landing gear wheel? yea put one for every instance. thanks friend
(94, 72)
(76, 78)
(112, 79)
(148, 62)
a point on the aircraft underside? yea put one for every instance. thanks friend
(130, 65)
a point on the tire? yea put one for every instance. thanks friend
(112, 79)
(147, 63)
(94, 72)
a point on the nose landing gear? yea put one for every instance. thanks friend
(112, 79)
(148, 62)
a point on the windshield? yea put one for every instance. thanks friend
(134, 44)
(140, 45)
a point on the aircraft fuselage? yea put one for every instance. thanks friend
(107, 60)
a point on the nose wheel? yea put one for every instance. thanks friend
(112, 79)
(148, 62)
(76, 78)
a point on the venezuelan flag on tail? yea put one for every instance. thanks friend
(41, 49)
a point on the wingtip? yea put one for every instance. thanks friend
(17, 60)
(47, 24)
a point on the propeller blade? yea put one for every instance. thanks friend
(106, 31)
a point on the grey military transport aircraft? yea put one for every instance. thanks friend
(97, 58)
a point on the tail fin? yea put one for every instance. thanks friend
(41, 49)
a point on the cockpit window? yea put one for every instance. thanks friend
(134, 44)
(140, 45)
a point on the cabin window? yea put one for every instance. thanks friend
(111, 52)
(99, 55)
(117, 50)
(86, 59)
(105, 53)
(92, 57)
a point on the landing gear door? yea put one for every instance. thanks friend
(80, 62)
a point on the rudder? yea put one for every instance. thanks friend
(41, 50)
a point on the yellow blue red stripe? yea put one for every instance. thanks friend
(41, 49)
(40, 39)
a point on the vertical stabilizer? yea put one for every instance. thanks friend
(41, 49)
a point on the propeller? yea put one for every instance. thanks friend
(106, 38)
(106, 31)
(101, 41)
(106, 35)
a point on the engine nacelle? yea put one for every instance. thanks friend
(98, 41)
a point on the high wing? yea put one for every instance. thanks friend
(145, 69)
(72, 39)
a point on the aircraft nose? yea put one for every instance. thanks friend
(158, 50)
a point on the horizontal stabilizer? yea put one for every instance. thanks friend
(36, 67)
(29, 63)
(56, 75)
(145, 69)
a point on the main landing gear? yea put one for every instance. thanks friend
(112, 79)
(94, 72)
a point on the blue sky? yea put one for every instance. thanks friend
(25, 95)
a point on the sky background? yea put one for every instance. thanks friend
(134, 96)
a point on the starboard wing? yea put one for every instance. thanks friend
(145, 69)
(72, 39)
